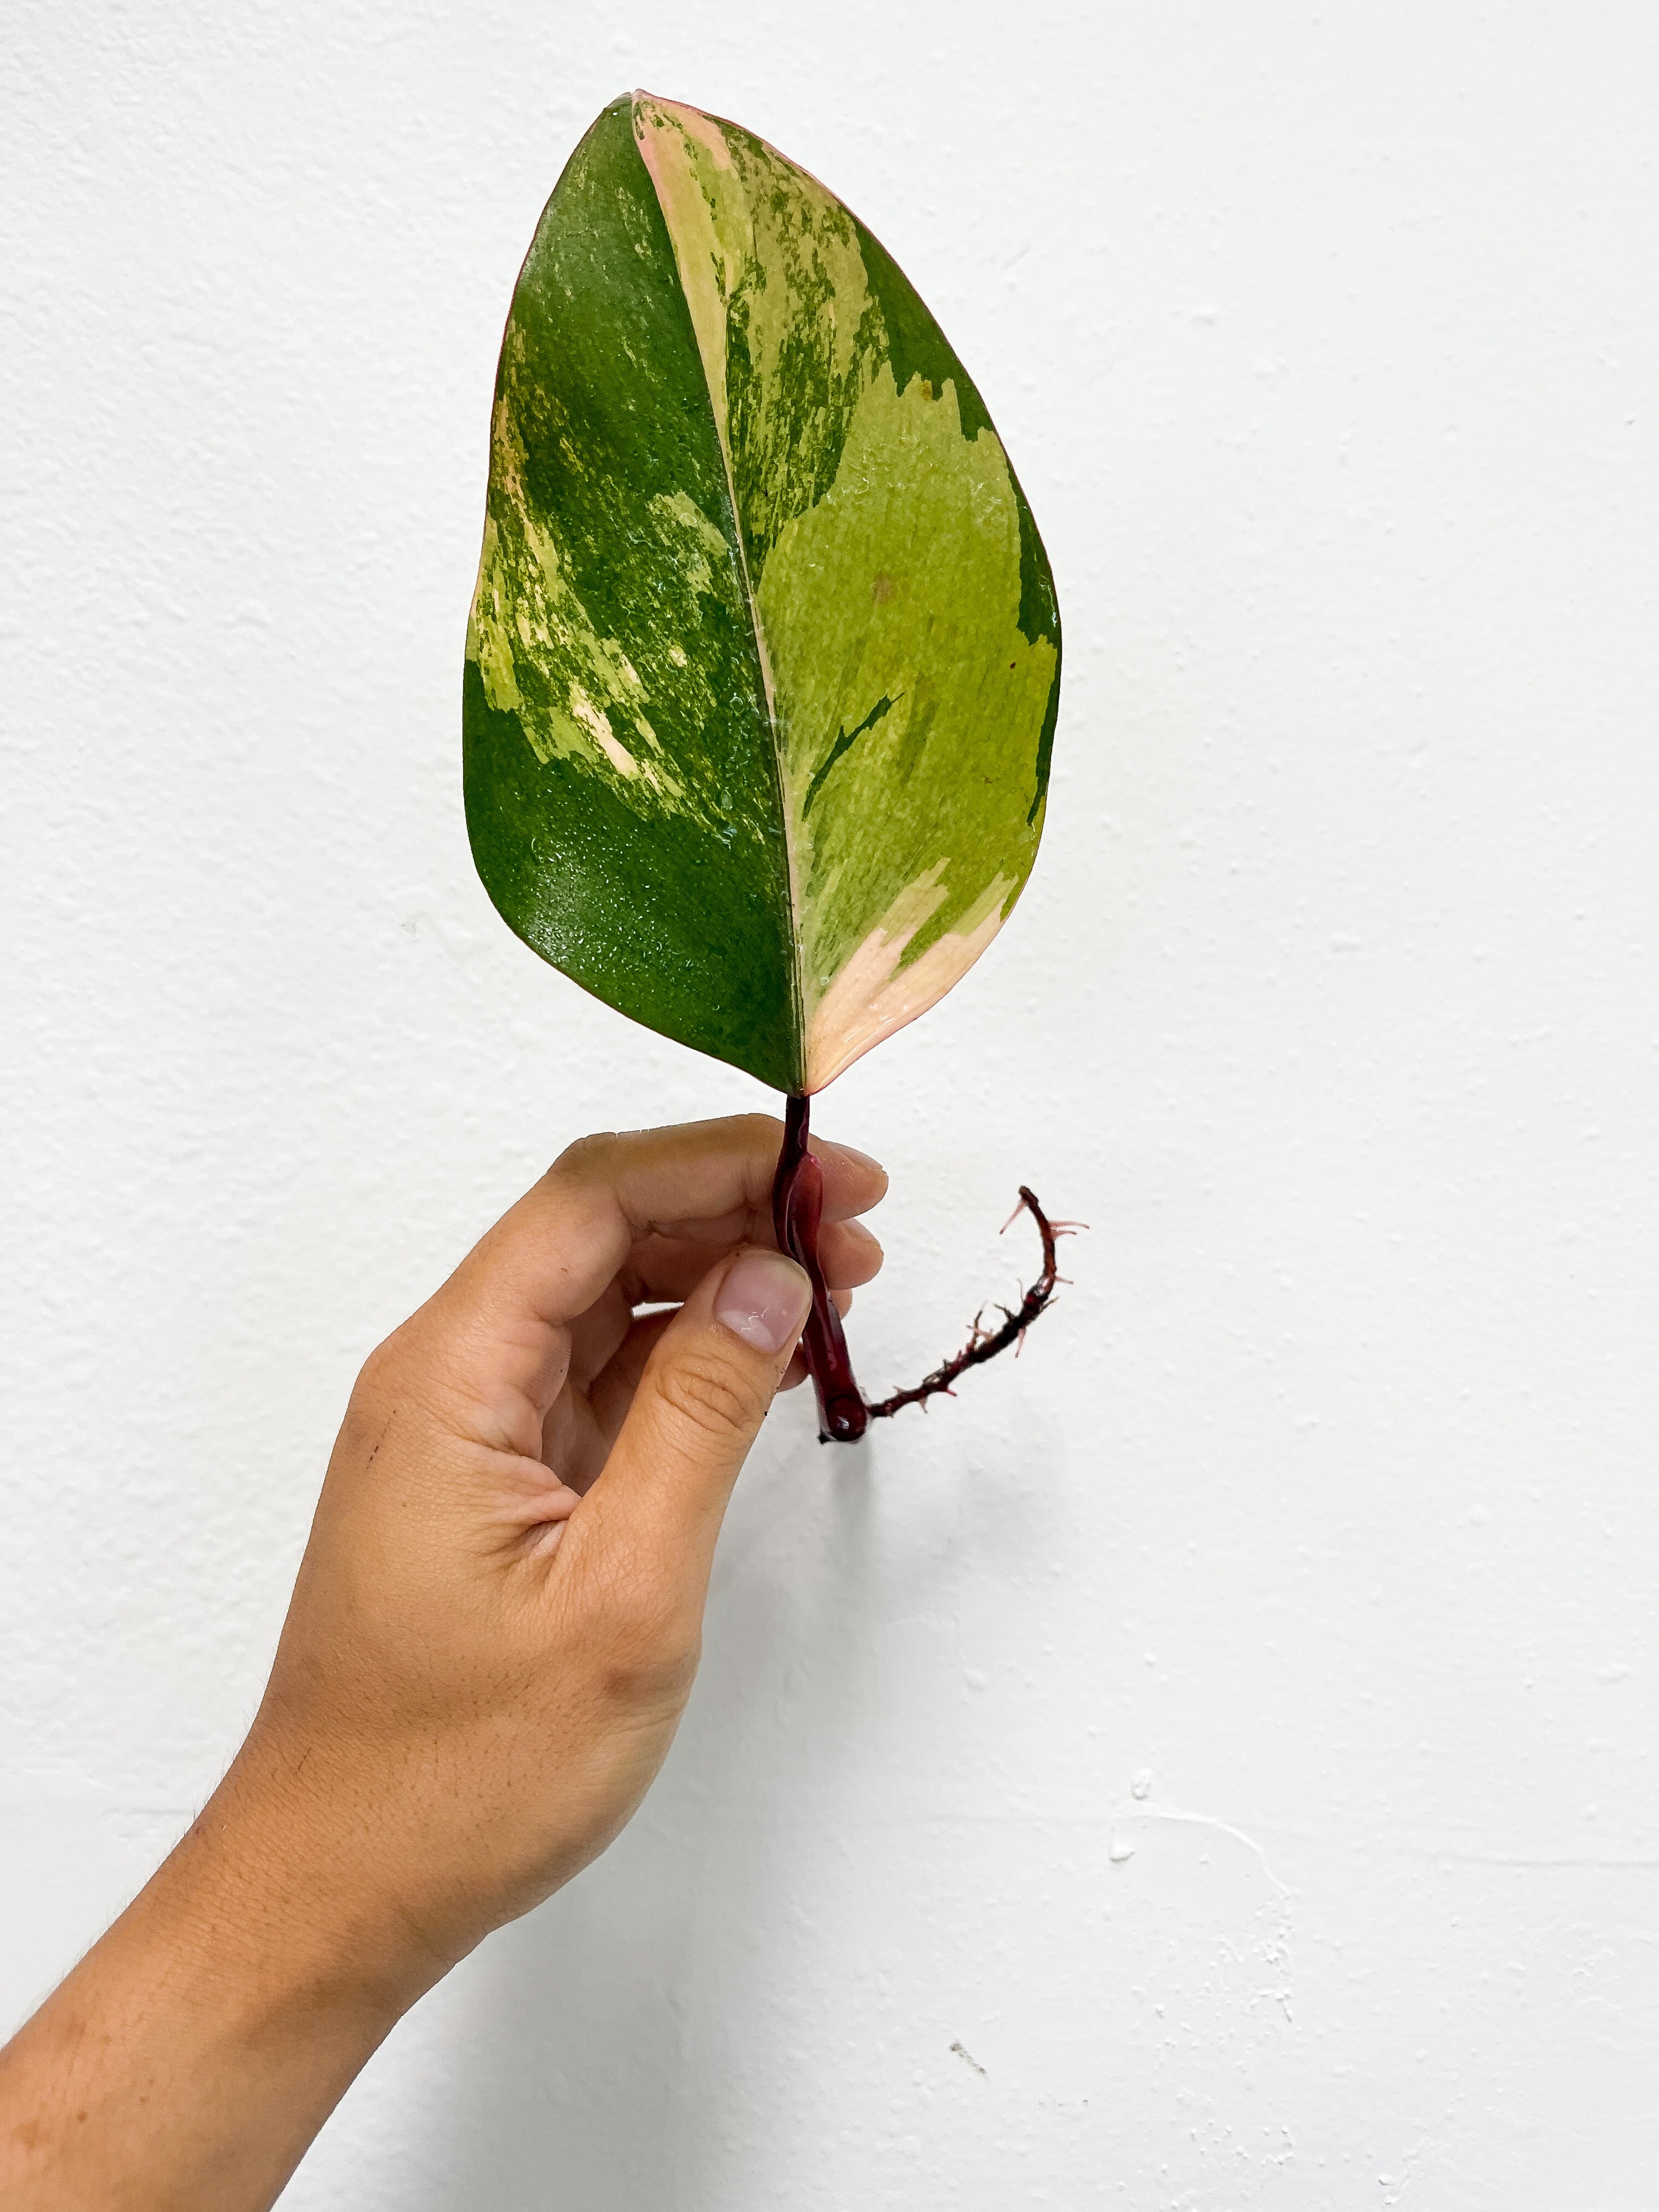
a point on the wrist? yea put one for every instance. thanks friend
(249, 1976)
(287, 1895)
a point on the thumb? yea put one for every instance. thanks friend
(705, 1391)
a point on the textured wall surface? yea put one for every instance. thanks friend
(1215, 1764)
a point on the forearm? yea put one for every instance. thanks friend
(193, 2056)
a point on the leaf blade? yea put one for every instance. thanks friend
(897, 704)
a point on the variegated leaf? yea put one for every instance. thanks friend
(765, 659)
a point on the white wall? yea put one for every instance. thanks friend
(1211, 1764)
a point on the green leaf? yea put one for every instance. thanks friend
(764, 661)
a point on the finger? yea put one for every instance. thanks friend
(613, 1392)
(572, 1448)
(550, 1257)
(583, 1422)
(701, 1399)
(665, 1269)
(595, 1335)
(853, 1183)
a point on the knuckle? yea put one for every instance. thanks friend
(372, 1375)
(588, 1157)
(377, 1379)
(712, 1395)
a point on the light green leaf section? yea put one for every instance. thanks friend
(871, 556)
(881, 535)
(912, 604)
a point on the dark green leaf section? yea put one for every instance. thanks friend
(637, 919)
(621, 782)
(1045, 751)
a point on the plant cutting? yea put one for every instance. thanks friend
(763, 663)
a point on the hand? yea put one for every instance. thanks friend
(497, 1619)
(493, 1634)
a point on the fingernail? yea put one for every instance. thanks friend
(764, 1300)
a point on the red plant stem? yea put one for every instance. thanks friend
(797, 1209)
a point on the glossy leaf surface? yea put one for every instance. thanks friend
(765, 659)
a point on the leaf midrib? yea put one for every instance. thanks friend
(762, 658)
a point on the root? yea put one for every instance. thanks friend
(985, 1343)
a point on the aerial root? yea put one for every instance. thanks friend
(984, 1343)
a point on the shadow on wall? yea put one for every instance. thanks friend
(630, 2029)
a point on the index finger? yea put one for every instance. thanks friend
(552, 1256)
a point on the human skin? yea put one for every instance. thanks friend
(492, 1637)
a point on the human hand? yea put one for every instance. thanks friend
(493, 1634)
(498, 1616)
